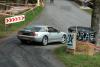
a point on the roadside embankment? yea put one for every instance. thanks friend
(71, 60)
(29, 16)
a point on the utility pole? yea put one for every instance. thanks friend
(95, 22)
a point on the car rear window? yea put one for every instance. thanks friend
(35, 29)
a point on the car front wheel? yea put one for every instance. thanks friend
(45, 41)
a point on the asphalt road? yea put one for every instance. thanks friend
(61, 14)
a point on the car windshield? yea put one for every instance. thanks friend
(35, 29)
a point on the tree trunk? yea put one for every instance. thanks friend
(95, 23)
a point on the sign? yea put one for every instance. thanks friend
(71, 40)
(83, 36)
(14, 19)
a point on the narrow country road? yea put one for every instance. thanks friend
(61, 14)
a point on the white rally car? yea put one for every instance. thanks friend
(43, 34)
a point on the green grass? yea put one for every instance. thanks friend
(29, 17)
(2, 22)
(77, 60)
(2, 27)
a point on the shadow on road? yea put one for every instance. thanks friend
(38, 44)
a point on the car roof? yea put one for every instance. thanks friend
(81, 28)
(40, 26)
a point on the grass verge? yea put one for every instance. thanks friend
(29, 17)
(88, 11)
(77, 60)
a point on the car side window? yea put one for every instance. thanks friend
(43, 30)
(51, 29)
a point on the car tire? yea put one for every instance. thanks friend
(45, 41)
(63, 39)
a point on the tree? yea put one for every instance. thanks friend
(95, 23)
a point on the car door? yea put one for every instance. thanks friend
(58, 35)
(53, 34)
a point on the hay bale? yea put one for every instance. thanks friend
(85, 48)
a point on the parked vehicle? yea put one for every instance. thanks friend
(83, 33)
(43, 34)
